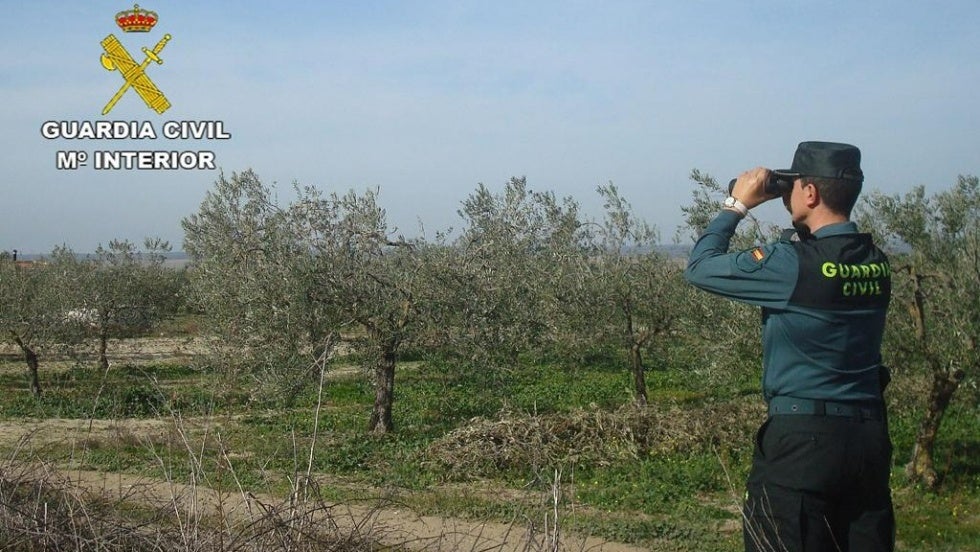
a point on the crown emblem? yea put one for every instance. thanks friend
(136, 20)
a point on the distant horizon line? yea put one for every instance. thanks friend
(23, 256)
(672, 249)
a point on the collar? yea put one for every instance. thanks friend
(837, 229)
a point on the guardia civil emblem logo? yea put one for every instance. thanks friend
(116, 58)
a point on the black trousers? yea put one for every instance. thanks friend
(820, 483)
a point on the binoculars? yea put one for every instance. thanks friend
(777, 184)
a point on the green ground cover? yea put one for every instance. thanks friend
(482, 445)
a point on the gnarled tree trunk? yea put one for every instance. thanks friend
(639, 377)
(30, 357)
(636, 341)
(921, 467)
(384, 389)
(103, 347)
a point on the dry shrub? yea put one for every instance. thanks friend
(515, 441)
(41, 510)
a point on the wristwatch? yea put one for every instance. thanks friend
(736, 205)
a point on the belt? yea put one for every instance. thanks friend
(792, 405)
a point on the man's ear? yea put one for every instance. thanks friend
(811, 195)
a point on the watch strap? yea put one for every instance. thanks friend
(734, 204)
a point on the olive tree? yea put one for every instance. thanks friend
(36, 306)
(250, 275)
(282, 284)
(122, 291)
(513, 249)
(935, 320)
(368, 278)
(627, 292)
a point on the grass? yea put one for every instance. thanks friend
(676, 490)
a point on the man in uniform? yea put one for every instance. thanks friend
(820, 470)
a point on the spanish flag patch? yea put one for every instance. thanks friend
(758, 255)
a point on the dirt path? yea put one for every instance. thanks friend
(393, 524)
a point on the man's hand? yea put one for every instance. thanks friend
(750, 188)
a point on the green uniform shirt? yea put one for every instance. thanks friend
(822, 318)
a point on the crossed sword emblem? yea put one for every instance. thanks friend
(116, 57)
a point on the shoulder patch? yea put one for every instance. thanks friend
(751, 260)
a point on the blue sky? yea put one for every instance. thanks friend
(424, 100)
